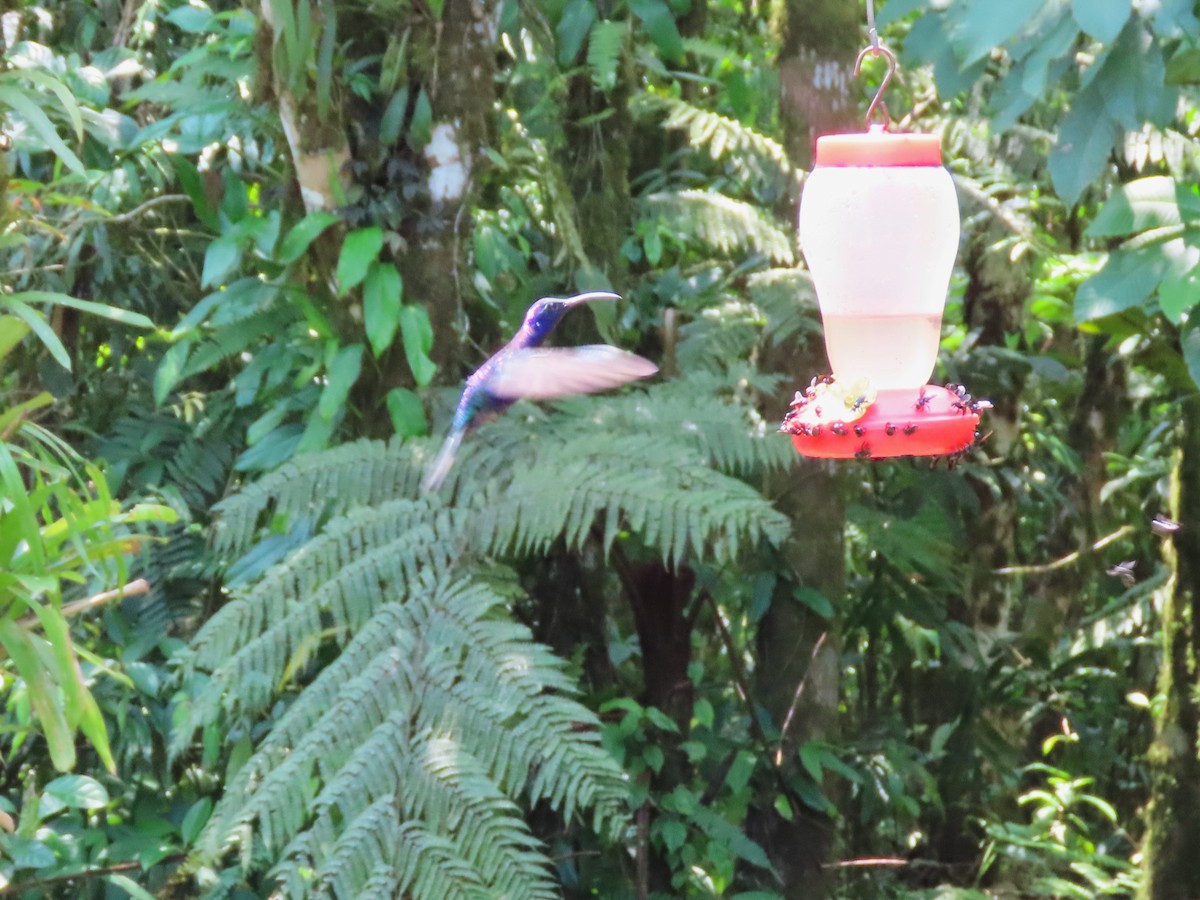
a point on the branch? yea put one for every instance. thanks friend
(23, 887)
(137, 211)
(1067, 560)
(869, 863)
(75, 607)
(787, 720)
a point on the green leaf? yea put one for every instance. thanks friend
(221, 258)
(27, 853)
(74, 792)
(194, 18)
(660, 25)
(195, 820)
(816, 601)
(393, 118)
(1191, 351)
(420, 128)
(1127, 279)
(672, 833)
(1102, 19)
(1180, 289)
(937, 743)
(895, 10)
(1184, 66)
(343, 372)
(12, 332)
(407, 414)
(1085, 140)
(417, 333)
(810, 757)
(113, 313)
(38, 324)
(170, 369)
(22, 409)
(43, 695)
(129, 886)
(38, 121)
(1132, 81)
(573, 27)
(193, 186)
(382, 294)
(654, 757)
(977, 27)
(1137, 206)
(359, 250)
(66, 99)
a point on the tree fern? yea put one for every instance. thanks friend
(724, 224)
(402, 766)
(757, 159)
(444, 712)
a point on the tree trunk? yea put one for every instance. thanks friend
(1173, 817)
(462, 92)
(316, 137)
(797, 669)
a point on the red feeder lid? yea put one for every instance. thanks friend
(935, 421)
(879, 148)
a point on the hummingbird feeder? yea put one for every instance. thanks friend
(879, 229)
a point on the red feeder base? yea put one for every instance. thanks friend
(828, 423)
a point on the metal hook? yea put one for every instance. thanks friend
(877, 49)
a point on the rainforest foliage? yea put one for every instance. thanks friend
(634, 647)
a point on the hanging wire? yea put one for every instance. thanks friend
(874, 48)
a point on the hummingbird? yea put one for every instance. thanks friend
(524, 369)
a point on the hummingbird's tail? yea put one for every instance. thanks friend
(437, 471)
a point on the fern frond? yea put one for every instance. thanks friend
(724, 224)
(604, 52)
(756, 157)
(671, 499)
(400, 767)
(446, 715)
(328, 588)
(379, 856)
(789, 301)
(722, 332)
(224, 343)
(357, 474)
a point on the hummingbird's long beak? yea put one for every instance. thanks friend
(590, 296)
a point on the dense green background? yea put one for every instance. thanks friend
(636, 647)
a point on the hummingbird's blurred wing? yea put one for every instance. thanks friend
(544, 373)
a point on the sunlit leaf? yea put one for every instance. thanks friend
(1102, 19)
(572, 29)
(359, 250)
(407, 415)
(1085, 140)
(343, 372)
(659, 23)
(37, 120)
(382, 295)
(417, 333)
(302, 234)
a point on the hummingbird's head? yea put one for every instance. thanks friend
(541, 318)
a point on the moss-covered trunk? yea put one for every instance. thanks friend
(462, 91)
(1172, 846)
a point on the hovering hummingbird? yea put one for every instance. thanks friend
(522, 368)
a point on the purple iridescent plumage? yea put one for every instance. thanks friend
(524, 369)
